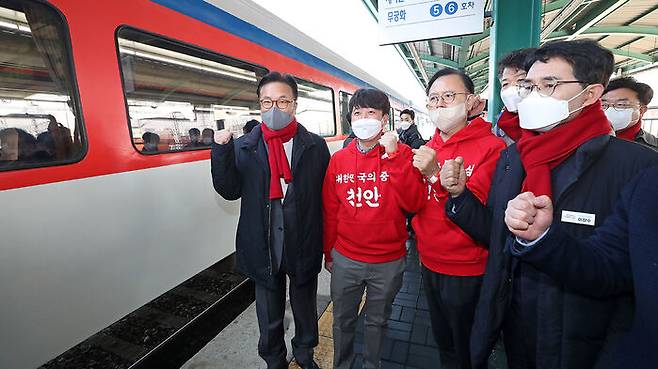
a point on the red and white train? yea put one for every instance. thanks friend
(92, 223)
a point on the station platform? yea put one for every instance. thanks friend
(408, 344)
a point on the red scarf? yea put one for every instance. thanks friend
(540, 153)
(509, 123)
(279, 166)
(629, 133)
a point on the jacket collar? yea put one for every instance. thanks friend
(572, 168)
(253, 141)
(646, 138)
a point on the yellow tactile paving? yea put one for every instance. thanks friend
(324, 352)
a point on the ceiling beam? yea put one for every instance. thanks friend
(633, 55)
(647, 31)
(440, 61)
(622, 45)
(454, 41)
(419, 62)
(565, 13)
(463, 51)
(480, 67)
(602, 9)
(555, 5)
(633, 20)
(476, 59)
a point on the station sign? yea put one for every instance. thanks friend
(414, 20)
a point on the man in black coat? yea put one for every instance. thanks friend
(277, 171)
(619, 258)
(408, 131)
(547, 325)
(625, 101)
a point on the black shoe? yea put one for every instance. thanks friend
(311, 365)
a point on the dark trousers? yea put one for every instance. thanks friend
(452, 301)
(270, 308)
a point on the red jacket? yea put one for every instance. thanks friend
(443, 247)
(364, 200)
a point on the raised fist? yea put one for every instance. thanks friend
(425, 161)
(389, 141)
(528, 217)
(223, 137)
(453, 176)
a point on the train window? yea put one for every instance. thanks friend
(315, 108)
(395, 120)
(177, 95)
(344, 99)
(40, 121)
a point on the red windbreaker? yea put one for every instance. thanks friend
(443, 247)
(364, 199)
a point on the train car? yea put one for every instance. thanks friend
(105, 188)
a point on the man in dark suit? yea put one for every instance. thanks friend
(619, 258)
(277, 171)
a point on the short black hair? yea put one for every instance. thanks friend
(151, 137)
(515, 59)
(249, 126)
(278, 77)
(194, 131)
(644, 91)
(370, 98)
(591, 63)
(468, 82)
(409, 112)
(208, 132)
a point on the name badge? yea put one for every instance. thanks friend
(578, 218)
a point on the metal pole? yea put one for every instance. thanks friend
(517, 25)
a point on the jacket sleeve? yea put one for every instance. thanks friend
(416, 141)
(468, 211)
(410, 188)
(597, 266)
(330, 206)
(325, 155)
(225, 175)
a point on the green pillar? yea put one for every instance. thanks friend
(516, 25)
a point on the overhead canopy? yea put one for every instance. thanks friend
(628, 28)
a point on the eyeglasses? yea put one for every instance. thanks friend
(544, 88)
(280, 103)
(619, 105)
(448, 97)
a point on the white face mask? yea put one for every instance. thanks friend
(366, 128)
(447, 118)
(620, 119)
(541, 114)
(511, 98)
(405, 125)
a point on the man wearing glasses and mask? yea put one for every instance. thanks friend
(277, 170)
(452, 262)
(565, 157)
(625, 101)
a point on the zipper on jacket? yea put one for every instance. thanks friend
(269, 226)
(269, 235)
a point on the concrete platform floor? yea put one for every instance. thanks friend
(409, 343)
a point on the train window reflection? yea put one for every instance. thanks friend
(344, 99)
(39, 118)
(178, 95)
(315, 108)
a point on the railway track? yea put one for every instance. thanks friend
(170, 329)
